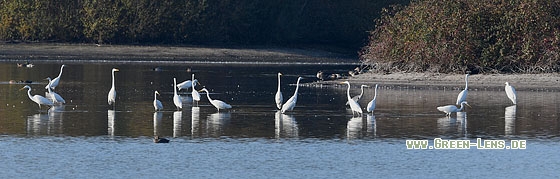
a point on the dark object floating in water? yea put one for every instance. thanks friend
(157, 139)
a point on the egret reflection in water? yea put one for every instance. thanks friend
(462, 126)
(111, 122)
(157, 122)
(509, 127)
(195, 121)
(216, 123)
(45, 124)
(354, 128)
(177, 115)
(371, 125)
(285, 125)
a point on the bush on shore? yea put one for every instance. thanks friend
(459, 36)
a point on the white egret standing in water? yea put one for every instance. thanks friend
(371, 105)
(452, 108)
(111, 97)
(463, 94)
(358, 97)
(157, 104)
(54, 83)
(279, 99)
(55, 97)
(511, 93)
(216, 103)
(40, 100)
(291, 103)
(187, 84)
(195, 95)
(353, 104)
(176, 98)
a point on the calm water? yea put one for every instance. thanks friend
(319, 139)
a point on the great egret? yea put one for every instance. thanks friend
(112, 93)
(371, 105)
(40, 100)
(55, 97)
(463, 94)
(195, 95)
(187, 84)
(291, 103)
(54, 83)
(511, 93)
(452, 108)
(279, 99)
(353, 104)
(358, 97)
(216, 103)
(157, 104)
(176, 98)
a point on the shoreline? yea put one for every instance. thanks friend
(521, 82)
(255, 56)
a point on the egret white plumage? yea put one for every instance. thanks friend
(54, 83)
(452, 108)
(279, 99)
(40, 100)
(511, 93)
(55, 97)
(463, 94)
(187, 84)
(358, 97)
(216, 103)
(176, 98)
(291, 103)
(195, 95)
(111, 97)
(353, 104)
(157, 104)
(371, 105)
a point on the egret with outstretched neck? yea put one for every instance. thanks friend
(157, 104)
(511, 93)
(55, 97)
(371, 105)
(279, 99)
(195, 95)
(40, 100)
(54, 83)
(463, 94)
(176, 98)
(291, 103)
(452, 108)
(358, 97)
(353, 104)
(111, 97)
(216, 103)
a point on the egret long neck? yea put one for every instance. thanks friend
(462, 106)
(155, 96)
(297, 87)
(49, 89)
(361, 93)
(348, 92)
(113, 79)
(29, 94)
(466, 82)
(208, 95)
(375, 95)
(278, 82)
(60, 73)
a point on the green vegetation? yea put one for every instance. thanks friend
(342, 24)
(479, 36)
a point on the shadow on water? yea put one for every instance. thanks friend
(402, 112)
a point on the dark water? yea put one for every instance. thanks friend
(319, 139)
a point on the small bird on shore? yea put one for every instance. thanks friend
(511, 93)
(158, 139)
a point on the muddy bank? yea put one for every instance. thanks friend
(522, 82)
(44, 52)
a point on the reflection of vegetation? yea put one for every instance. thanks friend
(326, 22)
(467, 35)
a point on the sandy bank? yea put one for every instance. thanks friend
(93, 52)
(522, 82)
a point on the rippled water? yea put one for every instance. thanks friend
(319, 139)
